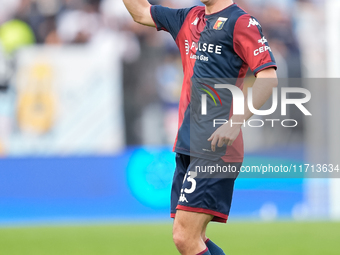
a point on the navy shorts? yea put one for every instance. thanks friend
(190, 192)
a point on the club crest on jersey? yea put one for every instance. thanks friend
(220, 23)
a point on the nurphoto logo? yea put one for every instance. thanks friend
(239, 103)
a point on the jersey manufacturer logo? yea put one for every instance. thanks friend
(220, 23)
(196, 21)
(187, 47)
(253, 22)
(263, 40)
(182, 198)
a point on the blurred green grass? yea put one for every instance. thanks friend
(293, 238)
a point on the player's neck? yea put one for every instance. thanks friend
(217, 6)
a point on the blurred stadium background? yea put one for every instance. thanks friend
(88, 115)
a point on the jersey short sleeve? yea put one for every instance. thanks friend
(168, 19)
(251, 45)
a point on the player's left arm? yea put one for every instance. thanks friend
(252, 47)
(262, 90)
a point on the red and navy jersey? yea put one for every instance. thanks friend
(215, 49)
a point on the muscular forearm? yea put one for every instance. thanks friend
(261, 92)
(140, 11)
(262, 89)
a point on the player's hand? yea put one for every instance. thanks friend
(226, 134)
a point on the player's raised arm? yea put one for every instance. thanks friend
(140, 11)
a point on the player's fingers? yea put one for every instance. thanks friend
(230, 143)
(211, 137)
(222, 141)
(213, 143)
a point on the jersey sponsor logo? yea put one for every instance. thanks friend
(261, 50)
(253, 22)
(263, 40)
(201, 47)
(206, 47)
(196, 21)
(220, 23)
(199, 57)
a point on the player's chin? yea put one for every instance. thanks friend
(209, 2)
(206, 1)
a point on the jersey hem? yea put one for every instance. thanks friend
(203, 252)
(197, 154)
(153, 10)
(265, 66)
(225, 158)
(153, 18)
(232, 159)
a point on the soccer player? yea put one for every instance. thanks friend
(218, 42)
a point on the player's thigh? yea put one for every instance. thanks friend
(204, 233)
(182, 164)
(190, 224)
